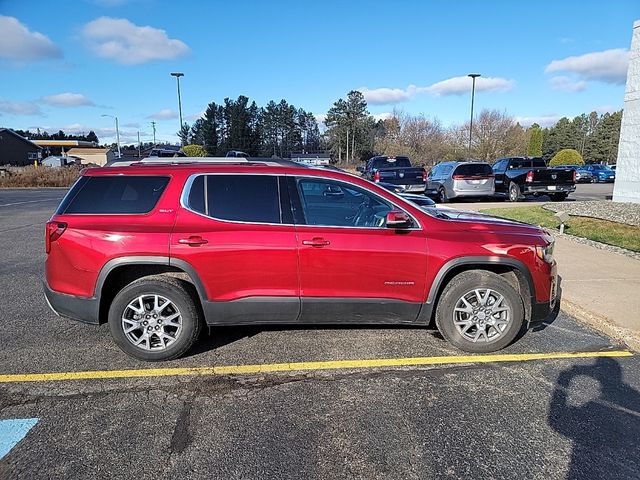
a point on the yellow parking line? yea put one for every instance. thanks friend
(304, 366)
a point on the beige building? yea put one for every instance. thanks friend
(98, 156)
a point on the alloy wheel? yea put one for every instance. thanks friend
(482, 315)
(151, 322)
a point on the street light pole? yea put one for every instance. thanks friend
(178, 75)
(117, 132)
(473, 92)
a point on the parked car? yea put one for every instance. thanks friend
(517, 177)
(160, 250)
(57, 161)
(449, 180)
(601, 173)
(167, 153)
(396, 171)
(582, 174)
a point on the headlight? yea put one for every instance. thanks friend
(545, 252)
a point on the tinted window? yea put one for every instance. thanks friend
(519, 163)
(114, 194)
(335, 204)
(473, 170)
(538, 163)
(241, 198)
(398, 162)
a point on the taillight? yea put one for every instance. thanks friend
(574, 176)
(53, 231)
(376, 176)
(529, 178)
(424, 175)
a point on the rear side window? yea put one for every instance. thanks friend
(240, 198)
(538, 163)
(473, 170)
(122, 194)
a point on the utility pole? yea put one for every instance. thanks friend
(347, 144)
(138, 143)
(117, 132)
(178, 75)
(153, 125)
(473, 92)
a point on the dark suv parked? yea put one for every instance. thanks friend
(159, 250)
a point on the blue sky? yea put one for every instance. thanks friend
(66, 63)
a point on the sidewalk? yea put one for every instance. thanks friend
(600, 288)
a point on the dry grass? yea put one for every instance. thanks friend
(40, 177)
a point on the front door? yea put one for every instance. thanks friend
(232, 232)
(352, 267)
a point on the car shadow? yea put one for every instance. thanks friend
(605, 430)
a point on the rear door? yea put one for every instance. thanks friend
(352, 267)
(233, 230)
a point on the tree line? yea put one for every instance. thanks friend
(277, 129)
(60, 135)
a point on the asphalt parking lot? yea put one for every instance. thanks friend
(404, 404)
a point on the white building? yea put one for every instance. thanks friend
(627, 186)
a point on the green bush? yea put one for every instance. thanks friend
(194, 151)
(566, 156)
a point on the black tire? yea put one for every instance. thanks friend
(180, 293)
(442, 195)
(558, 197)
(514, 193)
(463, 284)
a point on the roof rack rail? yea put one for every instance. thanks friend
(271, 162)
(178, 160)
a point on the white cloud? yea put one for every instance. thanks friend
(320, 118)
(17, 42)
(126, 43)
(451, 86)
(567, 84)
(164, 114)
(608, 66)
(67, 99)
(607, 109)
(546, 120)
(382, 116)
(383, 96)
(462, 85)
(195, 116)
(19, 108)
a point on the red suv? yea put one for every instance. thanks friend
(160, 250)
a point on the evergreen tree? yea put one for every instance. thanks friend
(534, 148)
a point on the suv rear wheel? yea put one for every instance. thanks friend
(479, 312)
(442, 195)
(155, 318)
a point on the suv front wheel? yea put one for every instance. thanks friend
(155, 318)
(479, 312)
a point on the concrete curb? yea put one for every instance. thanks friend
(624, 335)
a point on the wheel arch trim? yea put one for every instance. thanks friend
(148, 260)
(436, 285)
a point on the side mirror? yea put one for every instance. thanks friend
(398, 219)
(333, 192)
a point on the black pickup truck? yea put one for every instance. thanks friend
(517, 177)
(395, 171)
